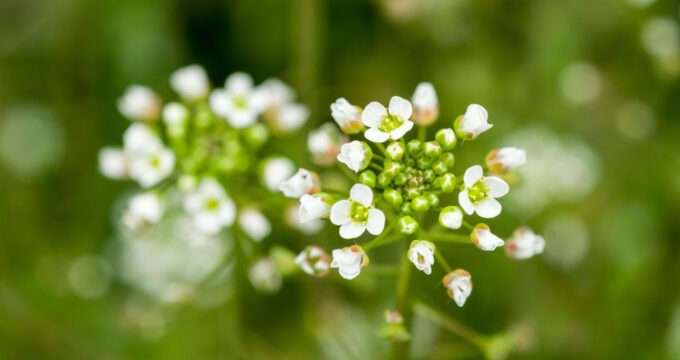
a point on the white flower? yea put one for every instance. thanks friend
(254, 224)
(113, 163)
(265, 276)
(480, 193)
(458, 285)
(313, 207)
(357, 214)
(356, 155)
(210, 207)
(349, 261)
(425, 103)
(451, 217)
(190, 82)
(303, 182)
(313, 261)
(149, 166)
(506, 159)
(275, 93)
(144, 208)
(140, 137)
(347, 116)
(421, 254)
(290, 117)
(139, 103)
(324, 143)
(292, 218)
(524, 244)
(473, 123)
(174, 114)
(484, 239)
(276, 170)
(384, 124)
(238, 102)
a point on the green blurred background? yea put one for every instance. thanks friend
(589, 88)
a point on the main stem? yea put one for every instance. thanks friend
(400, 349)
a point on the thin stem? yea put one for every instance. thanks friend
(450, 324)
(347, 172)
(468, 226)
(442, 261)
(380, 237)
(445, 237)
(376, 166)
(402, 283)
(381, 147)
(422, 133)
(335, 192)
(379, 157)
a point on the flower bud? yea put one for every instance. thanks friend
(428, 175)
(393, 197)
(303, 182)
(368, 178)
(395, 150)
(392, 168)
(439, 167)
(432, 149)
(140, 103)
(437, 182)
(412, 192)
(483, 238)
(257, 134)
(284, 260)
(190, 82)
(451, 217)
(356, 155)
(400, 179)
(324, 144)
(446, 138)
(448, 183)
(473, 123)
(264, 276)
(505, 159)
(524, 244)
(420, 203)
(425, 104)
(384, 179)
(314, 207)
(175, 116)
(347, 116)
(394, 330)
(313, 261)
(433, 200)
(458, 285)
(414, 147)
(254, 224)
(407, 225)
(424, 163)
(448, 158)
(421, 254)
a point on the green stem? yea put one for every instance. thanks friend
(380, 237)
(379, 157)
(422, 133)
(468, 226)
(336, 192)
(400, 350)
(445, 237)
(376, 166)
(442, 261)
(381, 147)
(451, 324)
(347, 172)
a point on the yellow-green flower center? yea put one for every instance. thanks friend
(154, 161)
(390, 122)
(239, 102)
(477, 192)
(211, 204)
(358, 212)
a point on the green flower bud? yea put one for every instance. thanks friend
(414, 147)
(400, 179)
(433, 199)
(384, 179)
(392, 168)
(368, 178)
(410, 162)
(428, 175)
(420, 203)
(408, 225)
(396, 333)
(257, 134)
(446, 138)
(437, 182)
(406, 207)
(412, 192)
(448, 183)
(424, 163)
(439, 167)
(395, 150)
(393, 197)
(432, 149)
(284, 260)
(448, 158)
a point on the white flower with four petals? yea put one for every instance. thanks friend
(384, 124)
(356, 215)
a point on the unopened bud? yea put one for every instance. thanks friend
(368, 178)
(414, 147)
(424, 163)
(395, 150)
(393, 197)
(448, 183)
(432, 149)
(446, 138)
(420, 203)
(407, 225)
(392, 168)
(439, 167)
(433, 199)
(448, 158)
(384, 179)
(400, 179)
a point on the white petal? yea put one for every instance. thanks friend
(207, 223)
(472, 175)
(351, 230)
(227, 212)
(376, 221)
(372, 115)
(465, 202)
(488, 208)
(497, 186)
(376, 135)
(239, 83)
(241, 118)
(400, 107)
(340, 212)
(361, 194)
(397, 133)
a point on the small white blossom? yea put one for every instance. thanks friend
(113, 163)
(324, 144)
(484, 239)
(314, 207)
(458, 285)
(425, 103)
(421, 254)
(150, 166)
(140, 137)
(347, 116)
(290, 117)
(506, 159)
(210, 207)
(292, 218)
(385, 124)
(303, 182)
(275, 93)
(143, 209)
(190, 82)
(357, 214)
(480, 193)
(313, 261)
(254, 224)
(451, 217)
(139, 103)
(473, 123)
(175, 117)
(238, 102)
(349, 261)
(524, 244)
(276, 170)
(265, 276)
(356, 155)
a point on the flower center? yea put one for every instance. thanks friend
(211, 204)
(359, 212)
(390, 122)
(239, 102)
(154, 161)
(477, 192)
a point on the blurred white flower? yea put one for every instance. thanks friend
(313, 261)
(292, 217)
(505, 159)
(324, 144)
(385, 124)
(254, 224)
(275, 171)
(451, 217)
(174, 114)
(275, 93)
(580, 82)
(356, 155)
(349, 261)
(480, 193)
(313, 207)
(143, 209)
(210, 207)
(140, 137)
(484, 239)
(139, 103)
(425, 104)
(524, 244)
(303, 182)
(636, 120)
(237, 101)
(421, 254)
(473, 123)
(661, 36)
(190, 82)
(347, 116)
(264, 276)
(290, 117)
(357, 214)
(458, 284)
(149, 166)
(113, 163)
